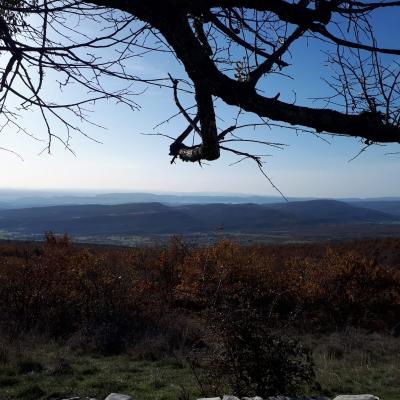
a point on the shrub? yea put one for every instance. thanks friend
(254, 360)
(116, 296)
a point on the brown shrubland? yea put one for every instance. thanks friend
(59, 289)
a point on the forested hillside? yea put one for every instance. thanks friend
(295, 218)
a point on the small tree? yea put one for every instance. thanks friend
(256, 360)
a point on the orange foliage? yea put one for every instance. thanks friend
(60, 288)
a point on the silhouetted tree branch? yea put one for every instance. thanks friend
(227, 48)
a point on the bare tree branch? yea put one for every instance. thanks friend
(227, 48)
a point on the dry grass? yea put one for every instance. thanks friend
(356, 362)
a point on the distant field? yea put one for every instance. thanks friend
(324, 234)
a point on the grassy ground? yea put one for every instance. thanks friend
(351, 363)
(357, 363)
(51, 372)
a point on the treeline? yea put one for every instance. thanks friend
(58, 288)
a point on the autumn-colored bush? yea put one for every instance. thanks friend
(66, 289)
(60, 288)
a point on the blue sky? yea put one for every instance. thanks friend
(128, 161)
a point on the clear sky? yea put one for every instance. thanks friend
(128, 161)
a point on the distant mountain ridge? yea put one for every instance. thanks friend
(40, 200)
(155, 218)
(388, 206)
(13, 199)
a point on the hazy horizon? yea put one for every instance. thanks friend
(75, 192)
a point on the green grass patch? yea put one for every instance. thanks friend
(90, 375)
(355, 363)
(351, 363)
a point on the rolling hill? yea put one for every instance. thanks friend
(387, 206)
(156, 218)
